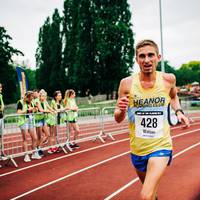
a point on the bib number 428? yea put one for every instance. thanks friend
(149, 122)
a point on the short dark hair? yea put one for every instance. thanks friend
(147, 42)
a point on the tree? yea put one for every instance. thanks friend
(50, 74)
(188, 73)
(114, 49)
(31, 76)
(98, 47)
(43, 55)
(8, 74)
(70, 40)
(168, 68)
(84, 64)
(57, 73)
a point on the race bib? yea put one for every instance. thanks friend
(149, 124)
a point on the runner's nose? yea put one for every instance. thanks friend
(146, 59)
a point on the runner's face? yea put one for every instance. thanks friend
(147, 58)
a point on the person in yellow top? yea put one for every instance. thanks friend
(2, 157)
(25, 109)
(145, 96)
(72, 115)
(43, 109)
(55, 119)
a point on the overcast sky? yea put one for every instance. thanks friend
(181, 25)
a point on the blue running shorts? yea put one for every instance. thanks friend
(140, 162)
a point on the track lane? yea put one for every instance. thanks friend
(87, 145)
(127, 163)
(36, 176)
(180, 181)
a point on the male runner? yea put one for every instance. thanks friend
(145, 96)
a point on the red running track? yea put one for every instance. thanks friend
(103, 171)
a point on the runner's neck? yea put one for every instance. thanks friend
(147, 80)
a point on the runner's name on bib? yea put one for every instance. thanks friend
(149, 124)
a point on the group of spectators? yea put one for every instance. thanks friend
(39, 118)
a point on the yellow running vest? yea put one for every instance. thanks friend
(147, 115)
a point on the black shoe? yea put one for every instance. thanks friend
(41, 153)
(3, 157)
(71, 145)
(156, 198)
(76, 146)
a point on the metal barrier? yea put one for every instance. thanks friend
(89, 121)
(12, 140)
(109, 126)
(190, 107)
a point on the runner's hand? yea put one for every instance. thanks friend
(123, 103)
(183, 119)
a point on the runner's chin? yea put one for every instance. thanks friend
(147, 69)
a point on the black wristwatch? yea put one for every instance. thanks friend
(179, 110)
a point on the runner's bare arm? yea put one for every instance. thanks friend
(175, 103)
(123, 99)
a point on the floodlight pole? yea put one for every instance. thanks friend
(161, 37)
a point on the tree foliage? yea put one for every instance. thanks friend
(168, 68)
(70, 42)
(8, 75)
(114, 43)
(188, 73)
(50, 74)
(31, 76)
(57, 73)
(94, 49)
(42, 56)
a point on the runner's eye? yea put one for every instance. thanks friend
(150, 55)
(142, 56)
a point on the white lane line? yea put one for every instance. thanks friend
(187, 149)
(137, 179)
(182, 126)
(82, 170)
(185, 133)
(69, 175)
(65, 156)
(122, 188)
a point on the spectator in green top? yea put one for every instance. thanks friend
(43, 131)
(1, 121)
(72, 115)
(25, 109)
(54, 120)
